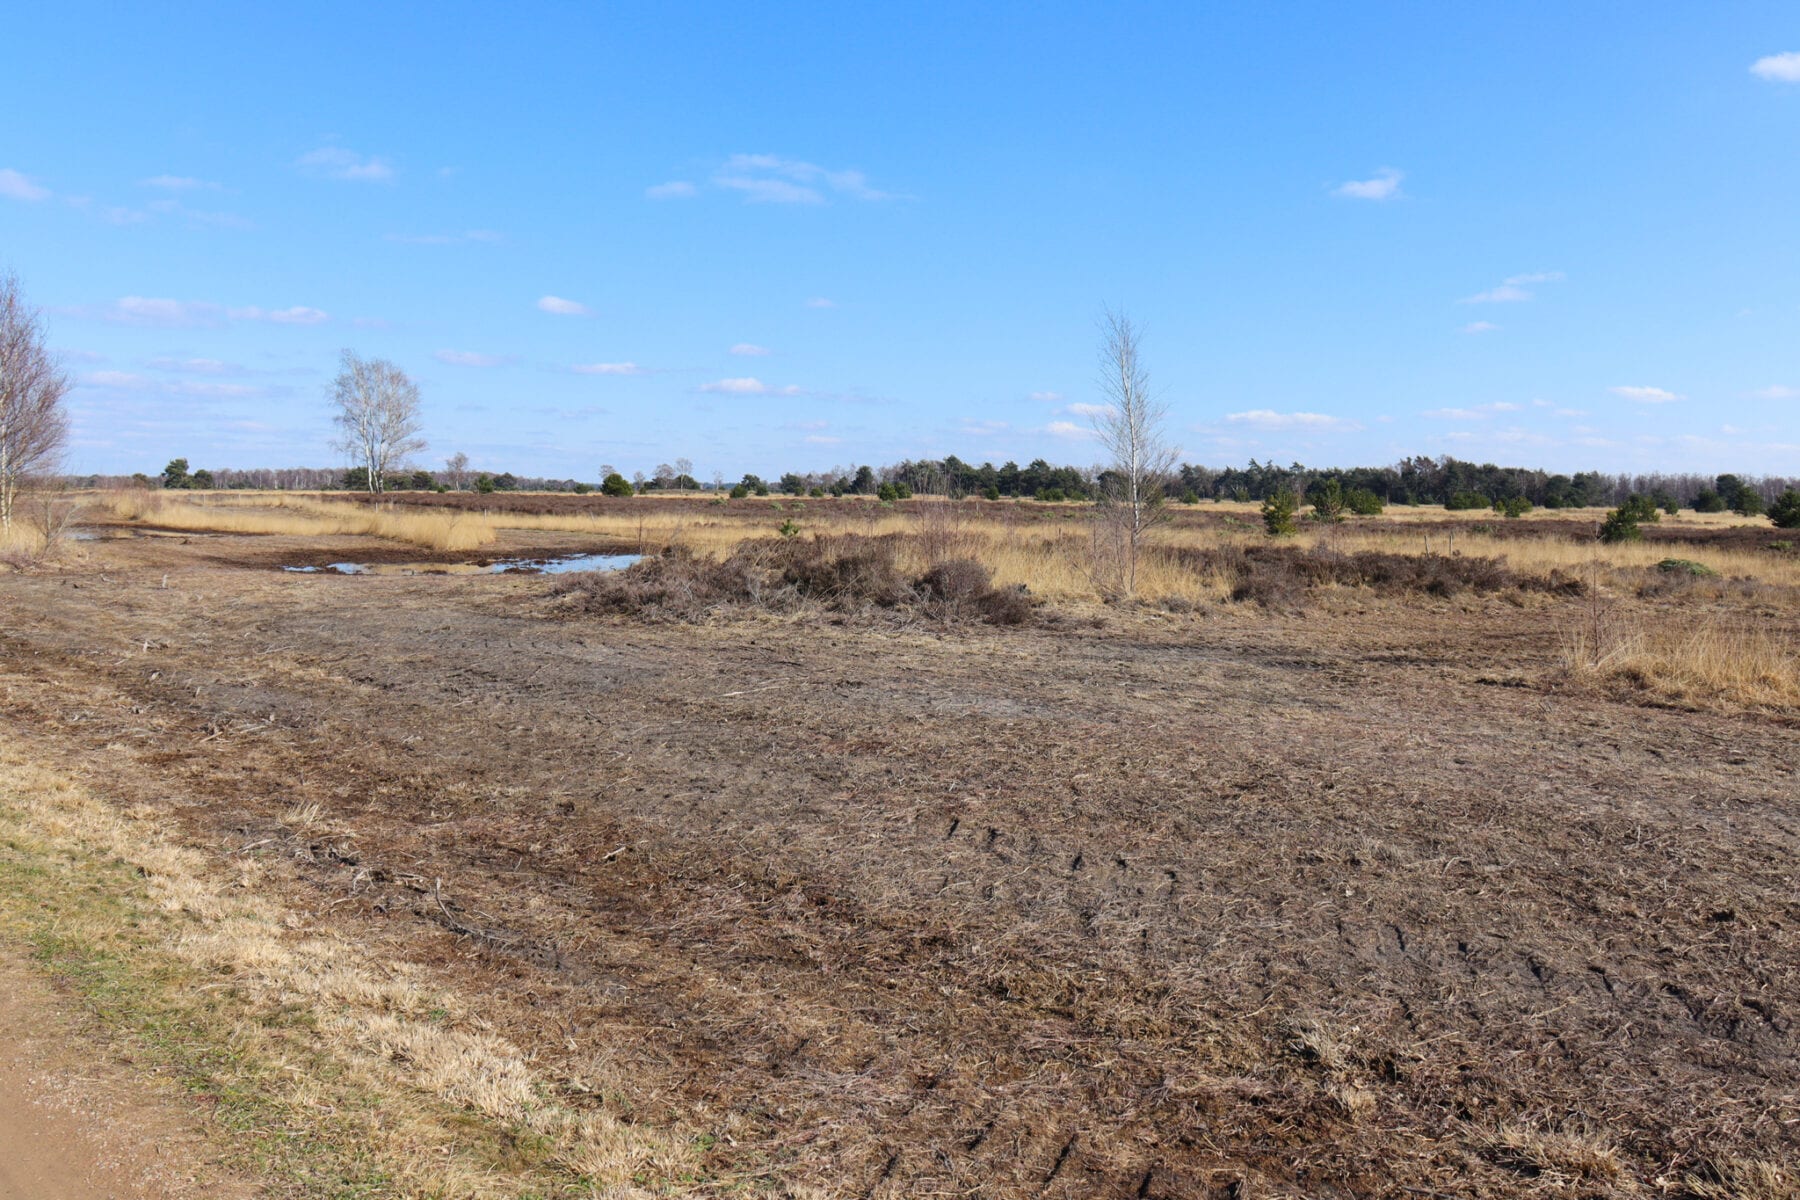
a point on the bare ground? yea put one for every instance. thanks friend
(1355, 903)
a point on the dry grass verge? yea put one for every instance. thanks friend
(342, 1073)
(442, 530)
(1679, 659)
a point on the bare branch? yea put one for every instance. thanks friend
(33, 426)
(1131, 430)
(378, 415)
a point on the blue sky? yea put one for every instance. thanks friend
(767, 237)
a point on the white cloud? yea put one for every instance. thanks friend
(178, 183)
(147, 310)
(299, 314)
(1384, 186)
(1513, 289)
(1646, 395)
(1047, 397)
(113, 379)
(1262, 418)
(1480, 327)
(335, 162)
(982, 428)
(468, 358)
(563, 308)
(675, 189)
(1479, 412)
(821, 439)
(1776, 392)
(771, 179)
(821, 302)
(618, 368)
(446, 239)
(1089, 410)
(1068, 429)
(747, 386)
(749, 350)
(15, 186)
(1778, 68)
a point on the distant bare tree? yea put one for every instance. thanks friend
(33, 426)
(378, 412)
(684, 466)
(1131, 430)
(456, 470)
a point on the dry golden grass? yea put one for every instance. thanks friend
(300, 517)
(390, 1035)
(1681, 659)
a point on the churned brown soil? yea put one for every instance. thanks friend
(1359, 901)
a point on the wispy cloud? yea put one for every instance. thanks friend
(821, 439)
(1480, 327)
(299, 314)
(1646, 395)
(821, 302)
(1047, 397)
(1514, 289)
(1263, 418)
(1385, 185)
(1778, 68)
(469, 358)
(749, 350)
(973, 427)
(17, 186)
(155, 312)
(1069, 430)
(336, 162)
(178, 183)
(1478, 412)
(1089, 410)
(446, 239)
(747, 386)
(616, 368)
(563, 308)
(774, 179)
(1776, 392)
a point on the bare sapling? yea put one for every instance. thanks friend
(1130, 429)
(378, 416)
(33, 425)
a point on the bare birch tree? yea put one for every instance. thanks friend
(456, 471)
(33, 426)
(1131, 430)
(378, 414)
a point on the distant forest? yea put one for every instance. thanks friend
(1417, 480)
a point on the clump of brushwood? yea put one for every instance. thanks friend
(844, 573)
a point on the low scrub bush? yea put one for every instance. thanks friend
(843, 573)
(1280, 576)
(1686, 566)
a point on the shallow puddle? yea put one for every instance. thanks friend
(556, 565)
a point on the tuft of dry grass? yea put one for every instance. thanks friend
(416, 1059)
(1554, 1155)
(1736, 660)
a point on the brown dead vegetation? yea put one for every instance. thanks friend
(1378, 899)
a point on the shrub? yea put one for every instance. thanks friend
(1709, 501)
(1685, 566)
(616, 484)
(1052, 495)
(990, 492)
(817, 493)
(739, 491)
(1621, 525)
(1513, 507)
(1748, 503)
(1362, 502)
(1278, 514)
(1190, 497)
(1465, 501)
(1785, 512)
(788, 528)
(582, 489)
(1327, 498)
(887, 493)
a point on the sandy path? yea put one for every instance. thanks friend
(74, 1129)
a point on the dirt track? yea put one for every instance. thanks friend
(1342, 905)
